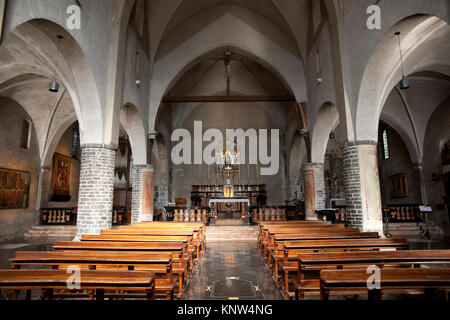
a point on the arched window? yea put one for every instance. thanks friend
(385, 145)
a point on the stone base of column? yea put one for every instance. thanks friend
(362, 186)
(314, 189)
(96, 193)
(142, 194)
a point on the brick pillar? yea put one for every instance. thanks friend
(142, 194)
(314, 189)
(362, 186)
(95, 199)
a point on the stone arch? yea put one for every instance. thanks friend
(240, 35)
(422, 51)
(132, 122)
(326, 121)
(36, 40)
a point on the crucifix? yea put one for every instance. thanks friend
(228, 75)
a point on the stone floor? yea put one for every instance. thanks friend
(230, 271)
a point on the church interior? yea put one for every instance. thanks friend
(340, 163)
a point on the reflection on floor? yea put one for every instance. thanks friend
(232, 271)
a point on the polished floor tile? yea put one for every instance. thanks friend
(233, 270)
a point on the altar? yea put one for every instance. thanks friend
(214, 204)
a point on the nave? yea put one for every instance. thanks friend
(176, 261)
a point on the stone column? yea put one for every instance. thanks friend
(314, 189)
(95, 199)
(362, 186)
(142, 193)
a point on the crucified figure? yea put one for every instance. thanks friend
(228, 75)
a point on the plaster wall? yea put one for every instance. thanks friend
(224, 116)
(15, 222)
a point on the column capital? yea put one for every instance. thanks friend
(112, 147)
(359, 143)
(143, 167)
(313, 165)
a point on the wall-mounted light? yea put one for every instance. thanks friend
(404, 83)
(54, 86)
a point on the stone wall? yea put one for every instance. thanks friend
(352, 184)
(362, 186)
(96, 190)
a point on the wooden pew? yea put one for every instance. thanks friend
(268, 242)
(141, 238)
(96, 282)
(348, 282)
(269, 234)
(197, 228)
(159, 232)
(286, 252)
(262, 234)
(156, 262)
(310, 265)
(178, 250)
(261, 225)
(287, 262)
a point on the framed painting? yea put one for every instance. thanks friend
(14, 189)
(60, 184)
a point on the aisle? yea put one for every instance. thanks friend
(231, 270)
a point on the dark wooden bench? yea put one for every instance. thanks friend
(394, 281)
(158, 263)
(141, 238)
(310, 265)
(178, 250)
(97, 283)
(268, 244)
(287, 261)
(197, 243)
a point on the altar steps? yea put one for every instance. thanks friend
(231, 233)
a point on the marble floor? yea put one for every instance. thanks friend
(233, 270)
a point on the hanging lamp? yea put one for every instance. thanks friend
(404, 83)
(54, 86)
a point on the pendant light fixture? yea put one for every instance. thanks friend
(332, 135)
(404, 83)
(54, 86)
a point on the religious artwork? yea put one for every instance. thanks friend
(370, 187)
(147, 192)
(399, 186)
(61, 178)
(14, 189)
